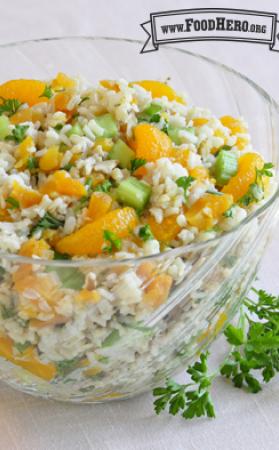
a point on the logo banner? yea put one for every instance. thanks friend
(210, 24)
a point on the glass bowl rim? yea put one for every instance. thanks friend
(172, 252)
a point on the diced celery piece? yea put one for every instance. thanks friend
(173, 133)
(132, 192)
(108, 124)
(76, 129)
(225, 167)
(122, 153)
(70, 277)
(4, 127)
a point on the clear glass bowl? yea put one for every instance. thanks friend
(120, 346)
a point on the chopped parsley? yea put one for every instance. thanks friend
(22, 347)
(83, 100)
(32, 163)
(229, 212)
(47, 222)
(58, 127)
(18, 133)
(145, 233)
(137, 163)
(9, 106)
(48, 92)
(104, 187)
(185, 183)
(12, 203)
(114, 242)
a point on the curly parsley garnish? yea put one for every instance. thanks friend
(253, 359)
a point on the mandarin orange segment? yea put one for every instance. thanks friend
(199, 121)
(25, 196)
(182, 157)
(28, 360)
(206, 212)
(35, 247)
(110, 84)
(151, 143)
(5, 216)
(89, 239)
(246, 175)
(233, 124)
(26, 115)
(99, 205)
(157, 291)
(61, 101)
(159, 89)
(51, 159)
(23, 152)
(199, 173)
(62, 81)
(62, 183)
(165, 231)
(26, 91)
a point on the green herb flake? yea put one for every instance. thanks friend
(111, 339)
(48, 92)
(9, 106)
(230, 212)
(70, 277)
(83, 100)
(67, 366)
(7, 312)
(185, 183)
(58, 127)
(145, 233)
(22, 347)
(114, 242)
(104, 187)
(18, 133)
(32, 163)
(12, 203)
(47, 222)
(137, 163)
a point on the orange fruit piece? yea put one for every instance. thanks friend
(199, 121)
(27, 361)
(61, 183)
(182, 156)
(157, 290)
(23, 152)
(246, 175)
(26, 91)
(85, 296)
(146, 270)
(110, 84)
(62, 81)
(233, 124)
(26, 115)
(89, 239)
(151, 143)
(159, 89)
(206, 212)
(61, 101)
(35, 247)
(165, 231)
(51, 159)
(99, 205)
(26, 197)
(5, 216)
(199, 173)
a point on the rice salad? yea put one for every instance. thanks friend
(118, 171)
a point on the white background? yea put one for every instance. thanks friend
(244, 421)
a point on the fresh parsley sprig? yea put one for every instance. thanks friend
(9, 106)
(47, 222)
(18, 133)
(190, 400)
(253, 360)
(137, 163)
(185, 183)
(48, 92)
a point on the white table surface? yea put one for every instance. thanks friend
(243, 421)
